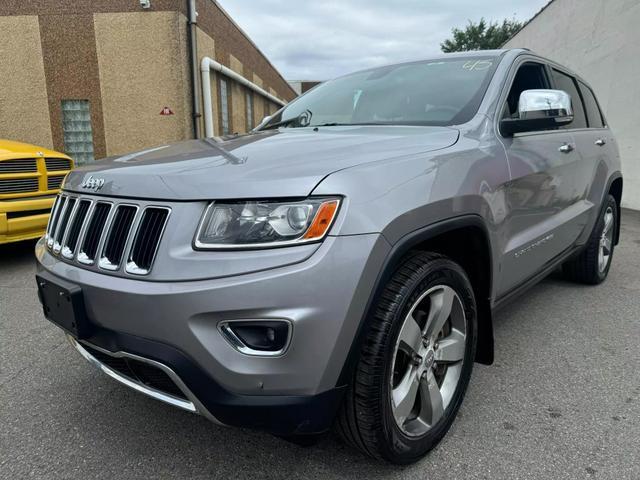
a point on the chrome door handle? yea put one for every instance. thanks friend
(600, 142)
(566, 148)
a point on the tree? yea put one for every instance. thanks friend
(481, 36)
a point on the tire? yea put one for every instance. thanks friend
(592, 265)
(369, 419)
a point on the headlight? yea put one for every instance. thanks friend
(263, 224)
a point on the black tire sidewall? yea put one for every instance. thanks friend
(401, 447)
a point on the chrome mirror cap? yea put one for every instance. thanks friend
(544, 103)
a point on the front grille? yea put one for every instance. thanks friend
(18, 185)
(54, 183)
(57, 164)
(138, 371)
(26, 165)
(80, 226)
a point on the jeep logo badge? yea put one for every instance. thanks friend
(92, 183)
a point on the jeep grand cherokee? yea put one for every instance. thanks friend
(339, 265)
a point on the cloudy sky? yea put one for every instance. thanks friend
(325, 38)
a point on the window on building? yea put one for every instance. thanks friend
(249, 103)
(77, 132)
(594, 116)
(224, 106)
(568, 84)
(267, 107)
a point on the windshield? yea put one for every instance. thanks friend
(433, 92)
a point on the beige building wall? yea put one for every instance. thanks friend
(258, 103)
(23, 93)
(143, 63)
(238, 105)
(601, 42)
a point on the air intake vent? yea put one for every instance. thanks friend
(63, 224)
(57, 164)
(147, 240)
(117, 237)
(27, 165)
(18, 185)
(94, 232)
(74, 230)
(54, 183)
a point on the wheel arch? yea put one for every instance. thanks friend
(446, 237)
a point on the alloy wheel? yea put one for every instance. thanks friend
(427, 360)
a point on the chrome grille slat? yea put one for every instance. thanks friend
(54, 209)
(63, 223)
(95, 228)
(147, 240)
(117, 237)
(25, 165)
(79, 217)
(54, 218)
(106, 234)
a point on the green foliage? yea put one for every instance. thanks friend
(481, 36)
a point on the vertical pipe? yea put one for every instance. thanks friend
(193, 57)
(206, 97)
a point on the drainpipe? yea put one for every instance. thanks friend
(193, 60)
(206, 66)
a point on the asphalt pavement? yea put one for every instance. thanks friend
(562, 400)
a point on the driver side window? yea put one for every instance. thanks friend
(530, 76)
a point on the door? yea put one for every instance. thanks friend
(597, 149)
(546, 201)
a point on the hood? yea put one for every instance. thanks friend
(281, 163)
(10, 150)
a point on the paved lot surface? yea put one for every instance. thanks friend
(562, 400)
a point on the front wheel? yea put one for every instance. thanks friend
(415, 363)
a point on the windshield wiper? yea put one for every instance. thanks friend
(303, 121)
(281, 123)
(338, 124)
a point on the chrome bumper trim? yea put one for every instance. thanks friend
(190, 405)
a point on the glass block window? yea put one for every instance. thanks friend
(224, 106)
(249, 102)
(76, 126)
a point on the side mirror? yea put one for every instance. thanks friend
(539, 110)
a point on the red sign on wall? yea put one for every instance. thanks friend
(166, 111)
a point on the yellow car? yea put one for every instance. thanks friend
(30, 178)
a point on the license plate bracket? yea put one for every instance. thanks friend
(63, 304)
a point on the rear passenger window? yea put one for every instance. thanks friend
(568, 84)
(594, 116)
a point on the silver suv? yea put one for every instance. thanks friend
(340, 264)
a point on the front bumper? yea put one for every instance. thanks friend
(176, 325)
(24, 219)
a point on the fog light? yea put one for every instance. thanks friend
(257, 337)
